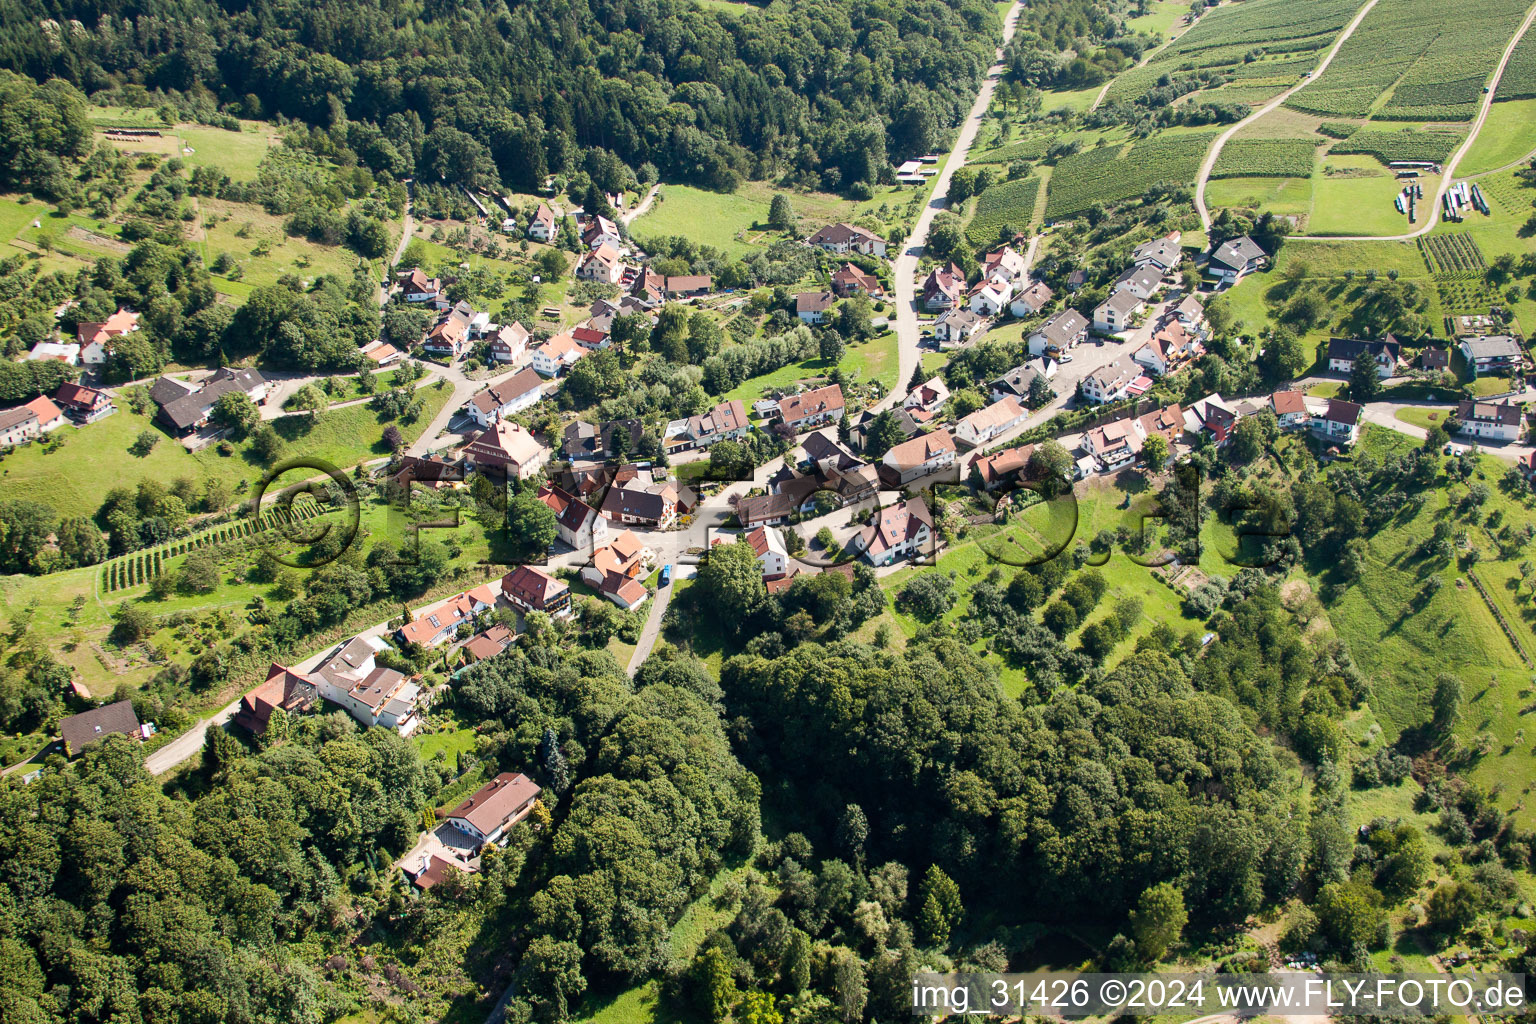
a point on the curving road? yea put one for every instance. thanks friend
(1446, 178)
(905, 270)
(644, 205)
(1222, 139)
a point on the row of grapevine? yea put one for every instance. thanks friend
(1452, 253)
(140, 567)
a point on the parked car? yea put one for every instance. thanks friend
(666, 575)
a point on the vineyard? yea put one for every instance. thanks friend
(1107, 175)
(1338, 129)
(1008, 205)
(1519, 81)
(1235, 39)
(1452, 252)
(1025, 149)
(1265, 158)
(1457, 265)
(1438, 70)
(1402, 145)
(140, 567)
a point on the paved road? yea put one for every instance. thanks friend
(912, 250)
(463, 389)
(1221, 140)
(1449, 176)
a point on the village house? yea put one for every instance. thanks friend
(416, 287)
(1017, 382)
(440, 623)
(618, 570)
(1211, 416)
(850, 280)
(943, 288)
(921, 456)
(600, 231)
(647, 288)
(688, 286)
(1115, 313)
(381, 354)
(1167, 421)
(1234, 259)
(1115, 445)
(373, 695)
(812, 408)
(927, 397)
(1006, 466)
(1340, 423)
(433, 472)
(88, 727)
(578, 524)
(1162, 253)
(543, 227)
(1065, 330)
(533, 590)
(985, 424)
(187, 407)
(602, 264)
(1031, 300)
(654, 507)
(507, 449)
(1290, 409)
(53, 351)
(1386, 353)
(957, 326)
(488, 643)
(1171, 346)
(557, 353)
(448, 339)
(766, 544)
(1005, 265)
(45, 416)
(1187, 311)
(989, 298)
(1496, 353)
(510, 342)
(287, 689)
(507, 398)
(488, 815)
(812, 307)
(725, 422)
(589, 442)
(1112, 382)
(1497, 421)
(846, 238)
(1142, 281)
(95, 340)
(897, 531)
(83, 404)
(1433, 358)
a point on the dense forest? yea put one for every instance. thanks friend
(826, 93)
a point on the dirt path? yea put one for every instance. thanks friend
(645, 204)
(1450, 168)
(1221, 140)
(1139, 64)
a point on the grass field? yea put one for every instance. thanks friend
(75, 478)
(1290, 197)
(238, 229)
(1353, 196)
(1508, 135)
(875, 359)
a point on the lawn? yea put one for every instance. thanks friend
(721, 219)
(1353, 195)
(1420, 416)
(238, 154)
(75, 478)
(1288, 197)
(1162, 17)
(873, 360)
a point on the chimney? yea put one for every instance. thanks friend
(425, 861)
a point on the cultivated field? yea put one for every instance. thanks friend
(1112, 174)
